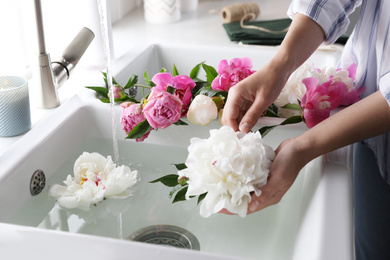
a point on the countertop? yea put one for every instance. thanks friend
(203, 26)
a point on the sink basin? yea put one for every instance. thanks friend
(313, 220)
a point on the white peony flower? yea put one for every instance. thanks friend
(228, 166)
(95, 178)
(341, 75)
(294, 89)
(202, 110)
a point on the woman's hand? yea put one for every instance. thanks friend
(251, 97)
(284, 170)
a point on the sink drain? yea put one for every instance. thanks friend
(166, 235)
(37, 183)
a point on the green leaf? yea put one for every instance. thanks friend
(171, 90)
(195, 71)
(174, 190)
(114, 81)
(105, 100)
(291, 120)
(180, 122)
(272, 111)
(131, 82)
(102, 91)
(266, 129)
(211, 73)
(199, 84)
(147, 79)
(208, 91)
(292, 106)
(163, 70)
(140, 130)
(175, 71)
(169, 180)
(180, 195)
(180, 166)
(105, 79)
(201, 197)
(126, 98)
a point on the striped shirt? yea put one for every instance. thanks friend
(368, 47)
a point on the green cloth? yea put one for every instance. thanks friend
(256, 37)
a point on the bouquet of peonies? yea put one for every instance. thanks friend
(173, 97)
(309, 95)
(224, 170)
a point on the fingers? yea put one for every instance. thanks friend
(230, 117)
(246, 103)
(251, 116)
(225, 211)
(233, 110)
(283, 172)
(242, 114)
(265, 200)
(270, 195)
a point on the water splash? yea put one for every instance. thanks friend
(103, 12)
(120, 226)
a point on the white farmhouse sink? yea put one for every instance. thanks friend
(313, 221)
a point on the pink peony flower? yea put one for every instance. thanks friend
(131, 116)
(117, 91)
(353, 94)
(352, 71)
(162, 109)
(232, 72)
(327, 90)
(183, 85)
(162, 81)
(126, 104)
(320, 100)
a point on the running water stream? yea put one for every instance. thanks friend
(103, 12)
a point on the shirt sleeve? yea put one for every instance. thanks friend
(331, 15)
(383, 49)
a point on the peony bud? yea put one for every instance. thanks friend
(182, 180)
(202, 110)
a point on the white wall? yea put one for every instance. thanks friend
(119, 8)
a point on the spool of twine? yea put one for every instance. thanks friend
(246, 12)
(236, 12)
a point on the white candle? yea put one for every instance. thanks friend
(162, 11)
(14, 106)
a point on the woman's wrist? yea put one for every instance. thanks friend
(301, 146)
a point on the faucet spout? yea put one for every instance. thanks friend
(63, 68)
(49, 76)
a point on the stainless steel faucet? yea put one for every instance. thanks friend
(51, 75)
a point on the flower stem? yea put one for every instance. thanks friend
(142, 86)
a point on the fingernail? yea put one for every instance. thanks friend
(254, 205)
(244, 127)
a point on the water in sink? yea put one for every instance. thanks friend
(261, 234)
(297, 224)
